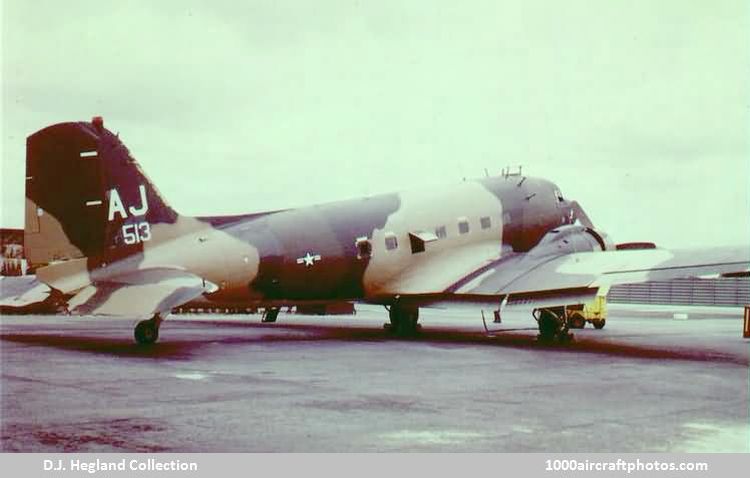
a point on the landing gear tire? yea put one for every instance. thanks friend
(576, 320)
(552, 326)
(270, 314)
(147, 331)
(404, 320)
(599, 324)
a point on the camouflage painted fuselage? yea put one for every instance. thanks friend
(102, 238)
(316, 253)
(107, 220)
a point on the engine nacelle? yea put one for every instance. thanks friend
(573, 238)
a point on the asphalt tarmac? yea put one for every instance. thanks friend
(645, 383)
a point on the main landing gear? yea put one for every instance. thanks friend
(552, 325)
(403, 320)
(147, 331)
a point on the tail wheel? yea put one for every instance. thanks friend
(576, 320)
(599, 324)
(147, 331)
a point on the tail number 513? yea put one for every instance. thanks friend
(135, 233)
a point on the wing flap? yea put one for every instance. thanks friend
(534, 299)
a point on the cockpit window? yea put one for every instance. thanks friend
(559, 195)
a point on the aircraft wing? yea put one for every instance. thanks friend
(598, 269)
(556, 279)
(139, 293)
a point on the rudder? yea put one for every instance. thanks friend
(86, 196)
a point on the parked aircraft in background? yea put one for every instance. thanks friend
(103, 239)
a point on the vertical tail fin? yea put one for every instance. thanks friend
(86, 196)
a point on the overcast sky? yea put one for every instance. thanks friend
(639, 109)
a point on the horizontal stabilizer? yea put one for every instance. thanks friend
(141, 293)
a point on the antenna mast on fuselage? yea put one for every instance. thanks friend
(506, 172)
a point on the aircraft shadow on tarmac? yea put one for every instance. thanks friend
(177, 346)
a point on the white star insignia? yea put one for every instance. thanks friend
(308, 259)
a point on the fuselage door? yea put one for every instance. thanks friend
(364, 248)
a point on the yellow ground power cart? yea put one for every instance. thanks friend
(595, 312)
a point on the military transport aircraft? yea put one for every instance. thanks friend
(104, 240)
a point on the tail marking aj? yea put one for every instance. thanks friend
(117, 207)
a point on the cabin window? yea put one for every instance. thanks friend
(485, 222)
(440, 232)
(463, 226)
(364, 248)
(391, 242)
